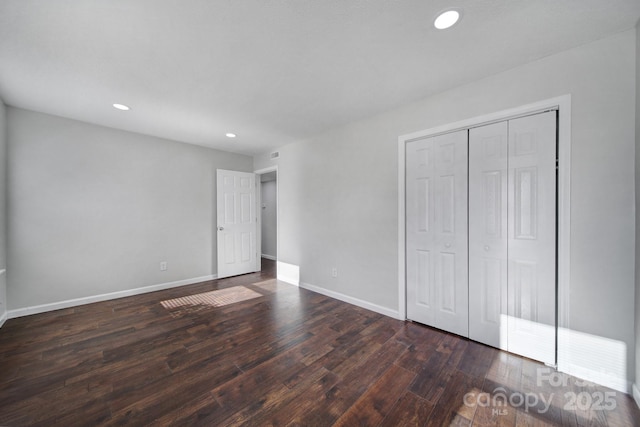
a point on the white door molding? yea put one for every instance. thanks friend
(563, 105)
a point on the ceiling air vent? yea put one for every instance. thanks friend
(275, 155)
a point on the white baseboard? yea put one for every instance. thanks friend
(271, 257)
(26, 311)
(351, 300)
(636, 394)
(289, 273)
(3, 319)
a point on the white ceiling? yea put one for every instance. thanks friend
(275, 71)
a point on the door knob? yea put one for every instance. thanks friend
(220, 228)
(486, 248)
(447, 245)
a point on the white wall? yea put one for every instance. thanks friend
(93, 210)
(3, 212)
(269, 219)
(339, 191)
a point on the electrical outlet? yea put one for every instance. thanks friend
(163, 266)
(334, 272)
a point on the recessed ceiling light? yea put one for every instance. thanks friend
(121, 107)
(231, 135)
(446, 19)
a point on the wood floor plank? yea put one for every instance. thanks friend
(260, 408)
(376, 403)
(411, 333)
(357, 374)
(477, 360)
(155, 399)
(431, 376)
(416, 357)
(302, 398)
(71, 402)
(410, 410)
(195, 412)
(286, 357)
(450, 407)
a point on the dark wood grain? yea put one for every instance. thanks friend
(286, 357)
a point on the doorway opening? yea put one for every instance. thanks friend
(267, 191)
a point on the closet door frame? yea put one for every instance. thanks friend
(563, 105)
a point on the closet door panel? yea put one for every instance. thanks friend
(488, 234)
(420, 232)
(437, 264)
(451, 233)
(532, 237)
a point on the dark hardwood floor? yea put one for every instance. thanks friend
(250, 350)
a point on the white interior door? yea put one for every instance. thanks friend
(532, 237)
(512, 235)
(436, 183)
(488, 234)
(237, 223)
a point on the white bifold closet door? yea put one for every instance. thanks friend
(488, 234)
(437, 265)
(486, 269)
(512, 235)
(532, 237)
